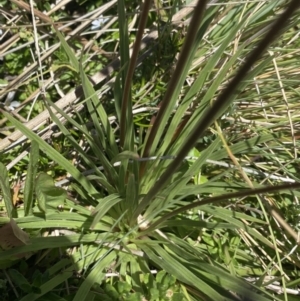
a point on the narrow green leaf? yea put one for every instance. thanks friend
(50, 285)
(103, 206)
(19, 280)
(101, 124)
(135, 272)
(131, 194)
(200, 81)
(6, 193)
(95, 275)
(215, 273)
(56, 156)
(124, 40)
(91, 94)
(179, 76)
(230, 217)
(177, 223)
(78, 148)
(118, 95)
(30, 178)
(242, 146)
(177, 185)
(125, 156)
(41, 243)
(68, 50)
(170, 265)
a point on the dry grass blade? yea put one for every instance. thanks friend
(74, 96)
(223, 99)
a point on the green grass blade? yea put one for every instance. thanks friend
(41, 243)
(50, 285)
(103, 206)
(124, 39)
(176, 81)
(30, 178)
(125, 58)
(218, 276)
(95, 106)
(6, 193)
(79, 149)
(91, 94)
(243, 146)
(95, 275)
(62, 220)
(54, 155)
(174, 188)
(132, 196)
(96, 150)
(73, 60)
(174, 267)
(223, 99)
(126, 124)
(199, 82)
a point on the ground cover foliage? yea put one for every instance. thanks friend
(152, 153)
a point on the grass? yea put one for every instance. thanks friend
(152, 158)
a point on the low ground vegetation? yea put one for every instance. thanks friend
(149, 152)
